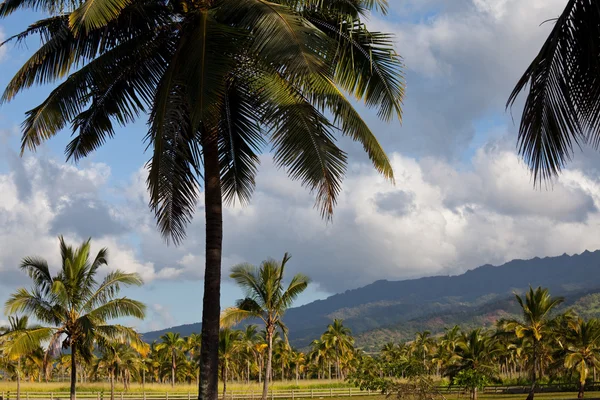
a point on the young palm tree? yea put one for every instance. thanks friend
(535, 325)
(266, 299)
(75, 307)
(339, 338)
(474, 351)
(561, 109)
(583, 350)
(171, 347)
(219, 80)
(193, 346)
(248, 343)
(16, 343)
(229, 347)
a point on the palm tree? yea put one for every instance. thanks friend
(171, 346)
(228, 350)
(339, 337)
(583, 349)
(75, 307)
(561, 107)
(247, 344)
(16, 344)
(475, 352)
(220, 80)
(193, 346)
(536, 307)
(267, 299)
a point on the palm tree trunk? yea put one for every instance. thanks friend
(112, 385)
(19, 379)
(269, 361)
(173, 366)
(224, 375)
(474, 396)
(581, 388)
(248, 371)
(211, 307)
(534, 372)
(73, 372)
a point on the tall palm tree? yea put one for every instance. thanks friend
(75, 307)
(171, 346)
(535, 325)
(219, 81)
(339, 337)
(266, 299)
(229, 348)
(583, 349)
(561, 109)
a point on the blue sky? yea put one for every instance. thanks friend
(462, 196)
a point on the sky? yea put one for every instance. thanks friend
(462, 197)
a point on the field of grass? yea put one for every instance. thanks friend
(6, 386)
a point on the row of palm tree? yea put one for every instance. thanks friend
(540, 344)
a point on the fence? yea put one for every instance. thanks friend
(290, 394)
(231, 395)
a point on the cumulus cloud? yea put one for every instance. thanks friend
(438, 218)
(42, 198)
(462, 60)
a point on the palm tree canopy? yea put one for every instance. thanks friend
(536, 308)
(72, 305)
(562, 109)
(266, 296)
(243, 73)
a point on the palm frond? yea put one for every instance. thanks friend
(562, 108)
(233, 316)
(304, 143)
(240, 141)
(110, 287)
(118, 308)
(366, 65)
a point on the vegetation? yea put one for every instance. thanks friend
(543, 345)
(219, 81)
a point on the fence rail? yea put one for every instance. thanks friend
(290, 394)
(231, 395)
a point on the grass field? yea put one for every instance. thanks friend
(6, 386)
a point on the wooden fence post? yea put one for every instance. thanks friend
(330, 392)
(292, 394)
(311, 393)
(167, 397)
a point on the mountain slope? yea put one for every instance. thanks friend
(390, 303)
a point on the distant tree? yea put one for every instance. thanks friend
(266, 299)
(339, 338)
(171, 347)
(229, 348)
(535, 325)
(583, 350)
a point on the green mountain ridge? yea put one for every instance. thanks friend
(395, 310)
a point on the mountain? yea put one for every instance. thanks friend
(402, 307)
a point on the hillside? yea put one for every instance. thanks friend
(402, 307)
